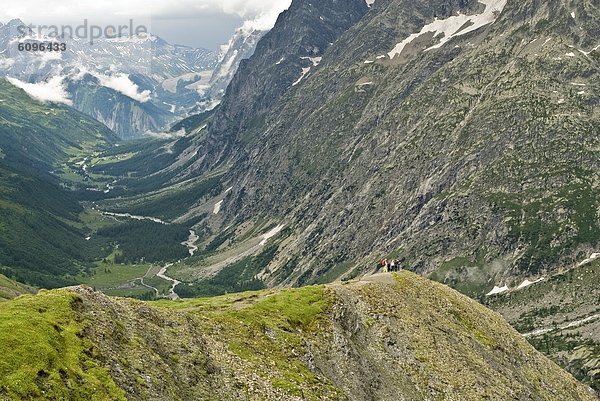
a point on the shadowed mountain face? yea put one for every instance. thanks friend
(390, 338)
(290, 50)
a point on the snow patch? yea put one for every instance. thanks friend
(217, 207)
(570, 54)
(304, 72)
(527, 283)
(455, 26)
(591, 51)
(570, 325)
(497, 290)
(267, 236)
(314, 60)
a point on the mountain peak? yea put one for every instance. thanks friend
(283, 56)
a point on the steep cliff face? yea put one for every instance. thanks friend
(241, 46)
(388, 338)
(283, 57)
(560, 316)
(127, 117)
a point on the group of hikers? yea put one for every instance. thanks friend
(391, 265)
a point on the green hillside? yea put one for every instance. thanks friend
(40, 241)
(41, 237)
(10, 289)
(385, 338)
(40, 136)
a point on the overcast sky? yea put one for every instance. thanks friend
(199, 23)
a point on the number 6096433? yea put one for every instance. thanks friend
(42, 47)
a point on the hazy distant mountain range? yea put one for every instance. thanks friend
(134, 85)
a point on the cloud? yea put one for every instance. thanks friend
(39, 12)
(52, 90)
(6, 63)
(166, 135)
(264, 21)
(254, 8)
(121, 83)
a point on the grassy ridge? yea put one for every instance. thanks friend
(381, 337)
(44, 355)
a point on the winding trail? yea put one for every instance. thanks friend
(141, 280)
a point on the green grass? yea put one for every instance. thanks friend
(470, 277)
(43, 354)
(94, 220)
(107, 275)
(289, 316)
(10, 289)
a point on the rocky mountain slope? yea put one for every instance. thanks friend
(390, 338)
(241, 46)
(460, 136)
(291, 49)
(560, 316)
